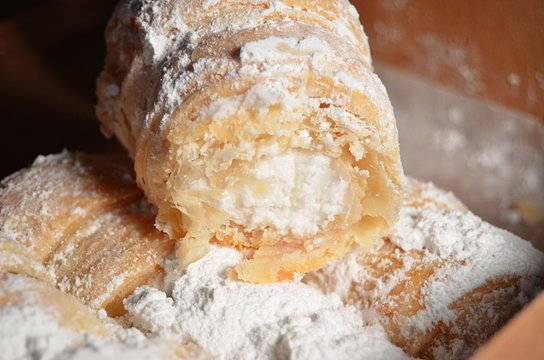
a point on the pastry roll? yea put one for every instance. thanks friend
(80, 222)
(254, 124)
(443, 282)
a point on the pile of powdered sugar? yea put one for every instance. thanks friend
(236, 320)
(32, 326)
(222, 317)
(28, 332)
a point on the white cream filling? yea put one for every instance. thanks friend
(300, 193)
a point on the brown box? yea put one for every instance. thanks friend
(488, 48)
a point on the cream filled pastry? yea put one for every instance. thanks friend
(254, 124)
(77, 236)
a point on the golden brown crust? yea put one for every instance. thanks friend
(478, 314)
(15, 258)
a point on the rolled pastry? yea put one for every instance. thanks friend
(443, 282)
(440, 284)
(80, 222)
(254, 124)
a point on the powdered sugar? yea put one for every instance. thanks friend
(485, 251)
(258, 98)
(442, 227)
(40, 322)
(338, 276)
(150, 309)
(206, 4)
(277, 49)
(29, 331)
(235, 320)
(157, 41)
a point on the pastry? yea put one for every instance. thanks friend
(254, 124)
(269, 148)
(16, 258)
(443, 282)
(434, 287)
(79, 221)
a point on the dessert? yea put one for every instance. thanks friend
(84, 219)
(254, 124)
(433, 289)
(268, 151)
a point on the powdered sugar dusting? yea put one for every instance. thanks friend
(33, 326)
(150, 309)
(282, 48)
(485, 251)
(236, 320)
(157, 41)
(27, 329)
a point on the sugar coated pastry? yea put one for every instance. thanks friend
(254, 124)
(75, 231)
(443, 282)
(81, 222)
